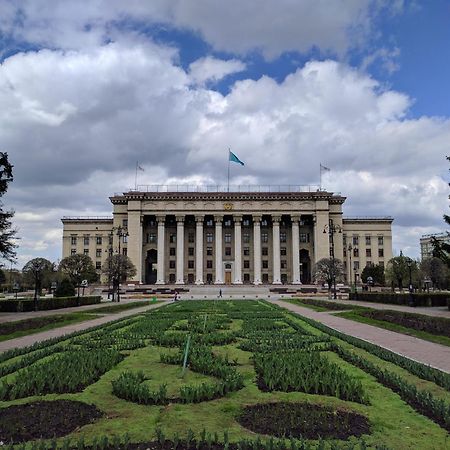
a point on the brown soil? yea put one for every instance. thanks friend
(44, 420)
(303, 420)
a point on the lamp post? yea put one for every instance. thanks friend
(331, 228)
(411, 298)
(356, 280)
(350, 249)
(121, 233)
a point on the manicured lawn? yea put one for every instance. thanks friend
(226, 340)
(119, 307)
(16, 329)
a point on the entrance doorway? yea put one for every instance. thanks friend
(305, 266)
(227, 277)
(150, 267)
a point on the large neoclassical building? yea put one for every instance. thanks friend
(200, 237)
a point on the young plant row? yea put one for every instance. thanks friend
(421, 400)
(418, 369)
(202, 441)
(129, 387)
(69, 372)
(307, 372)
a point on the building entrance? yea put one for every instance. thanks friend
(150, 267)
(305, 267)
(227, 277)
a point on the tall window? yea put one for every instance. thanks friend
(191, 251)
(355, 252)
(265, 251)
(125, 239)
(227, 238)
(283, 236)
(151, 238)
(98, 240)
(73, 252)
(355, 265)
(209, 237)
(246, 264)
(191, 238)
(227, 251)
(209, 251)
(98, 265)
(368, 252)
(86, 251)
(86, 239)
(344, 240)
(264, 237)
(246, 237)
(380, 240)
(246, 251)
(246, 222)
(304, 237)
(368, 240)
(98, 253)
(172, 238)
(124, 251)
(355, 240)
(380, 253)
(210, 223)
(172, 251)
(125, 223)
(265, 264)
(172, 264)
(283, 251)
(73, 240)
(209, 264)
(227, 223)
(190, 264)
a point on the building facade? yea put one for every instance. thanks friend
(229, 237)
(426, 246)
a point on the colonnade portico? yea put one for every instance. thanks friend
(236, 262)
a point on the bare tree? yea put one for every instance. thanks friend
(436, 270)
(118, 268)
(36, 269)
(78, 268)
(327, 269)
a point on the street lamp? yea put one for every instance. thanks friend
(350, 249)
(411, 299)
(331, 228)
(121, 233)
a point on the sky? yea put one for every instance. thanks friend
(90, 87)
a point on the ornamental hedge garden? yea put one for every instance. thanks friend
(219, 375)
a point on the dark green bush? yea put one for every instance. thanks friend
(46, 303)
(420, 299)
(65, 289)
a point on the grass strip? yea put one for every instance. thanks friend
(16, 329)
(112, 309)
(354, 315)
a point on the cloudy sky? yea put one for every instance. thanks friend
(89, 87)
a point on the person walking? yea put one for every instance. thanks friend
(220, 293)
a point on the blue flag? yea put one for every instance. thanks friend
(234, 158)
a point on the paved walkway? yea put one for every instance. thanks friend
(57, 332)
(435, 311)
(434, 355)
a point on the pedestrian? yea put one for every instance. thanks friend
(175, 297)
(220, 293)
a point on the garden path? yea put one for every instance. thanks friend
(25, 341)
(435, 311)
(429, 353)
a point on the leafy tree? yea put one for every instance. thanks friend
(441, 249)
(436, 270)
(325, 270)
(65, 289)
(397, 271)
(78, 268)
(376, 272)
(35, 270)
(118, 268)
(2, 277)
(7, 233)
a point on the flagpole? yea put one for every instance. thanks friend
(228, 175)
(135, 177)
(320, 177)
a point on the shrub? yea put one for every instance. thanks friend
(45, 303)
(65, 289)
(420, 299)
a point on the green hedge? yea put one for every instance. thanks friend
(44, 303)
(420, 299)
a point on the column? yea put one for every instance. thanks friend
(160, 279)
(199, 250)
(257, 249)
(321, 239)
(218, 240)
(134, 245)
(276, 277)
(237, 250)
(295, 251)
(180, 250)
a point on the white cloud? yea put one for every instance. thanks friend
(272, 26)
(132, 102)
(210, 69)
